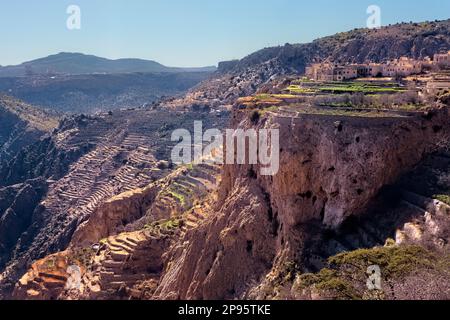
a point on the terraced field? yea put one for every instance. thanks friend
(345, 87)
(353, 99)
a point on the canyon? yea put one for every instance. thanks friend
(108, 215)
(317, 206)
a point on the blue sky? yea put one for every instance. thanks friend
(187, 32)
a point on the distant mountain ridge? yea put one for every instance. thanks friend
(79, 64)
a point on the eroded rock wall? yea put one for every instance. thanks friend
(330, 169)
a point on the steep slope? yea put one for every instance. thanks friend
(331, 167)
(260, 228)
(21, 126)
(17, 204)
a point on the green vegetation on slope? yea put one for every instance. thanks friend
(345, 276)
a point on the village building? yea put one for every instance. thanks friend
(328, 71)
(320, 71)
(402, 67)
(427, 63)
(369, 70)
(442, 59)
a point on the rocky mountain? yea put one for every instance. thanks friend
(78, 64)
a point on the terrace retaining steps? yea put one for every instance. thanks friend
(124, 263)
(84, 189)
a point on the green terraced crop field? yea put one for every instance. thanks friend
(343, 87)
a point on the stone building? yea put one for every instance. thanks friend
(402, 67)
(369, 70)
(328, 71)
(320, 71)
(345, 73)
(442, 59)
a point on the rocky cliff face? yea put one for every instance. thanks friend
(111, 217)
(330, 169)
(17, 214)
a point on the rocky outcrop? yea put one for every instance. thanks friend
(430, 228)
(113, 215)
(45, 280)
(330, 169)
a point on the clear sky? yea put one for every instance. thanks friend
(187, 32)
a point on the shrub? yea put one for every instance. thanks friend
(443, 198)
(164, 226)
(255, 116)
(347, 272)
(395, 261)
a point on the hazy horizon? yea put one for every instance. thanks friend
(195, 34)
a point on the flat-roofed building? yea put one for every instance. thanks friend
(402, 67)
(369, 70)
(328, 71)
(320, 71)
(442, 59)
(345, 73)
